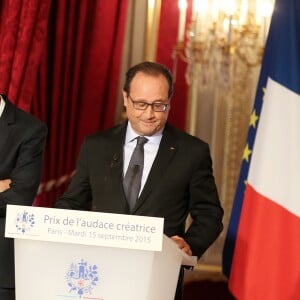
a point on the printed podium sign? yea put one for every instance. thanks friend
(65, 254)
(84, 227)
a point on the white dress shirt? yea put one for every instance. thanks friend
(2, 105)
(150, 151)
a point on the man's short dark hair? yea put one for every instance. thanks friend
(149, 68)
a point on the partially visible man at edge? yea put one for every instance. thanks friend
(22, 140)
(177, 177)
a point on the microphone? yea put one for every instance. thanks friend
(136, 169)
(115, 159)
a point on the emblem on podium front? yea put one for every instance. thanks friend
(82, 278)
(24, 222)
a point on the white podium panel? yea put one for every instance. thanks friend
(48, 271)
(63, 270)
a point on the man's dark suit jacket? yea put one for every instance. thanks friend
(180, 182)
(22, 138)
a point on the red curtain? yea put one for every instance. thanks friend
(78, 82)
(23, 27)
(166, 41)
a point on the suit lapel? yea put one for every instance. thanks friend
(116, 164)
(165, 154)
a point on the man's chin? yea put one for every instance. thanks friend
(148, 130)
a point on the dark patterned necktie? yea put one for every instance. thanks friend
(133, 176)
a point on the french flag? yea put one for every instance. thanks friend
(261, 255)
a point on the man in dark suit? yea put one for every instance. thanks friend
(177, 177)
(22, 139)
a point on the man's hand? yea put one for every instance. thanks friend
(4, 185)
(182, 244)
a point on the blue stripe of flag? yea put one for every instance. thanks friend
(281, 62)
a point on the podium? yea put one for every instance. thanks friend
(64, 254)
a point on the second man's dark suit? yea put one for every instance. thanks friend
(180, 182)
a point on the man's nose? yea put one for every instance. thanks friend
(149, 111)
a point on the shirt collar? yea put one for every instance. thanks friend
(131, 135)
(2, 105)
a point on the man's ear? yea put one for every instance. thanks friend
(125, 96)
